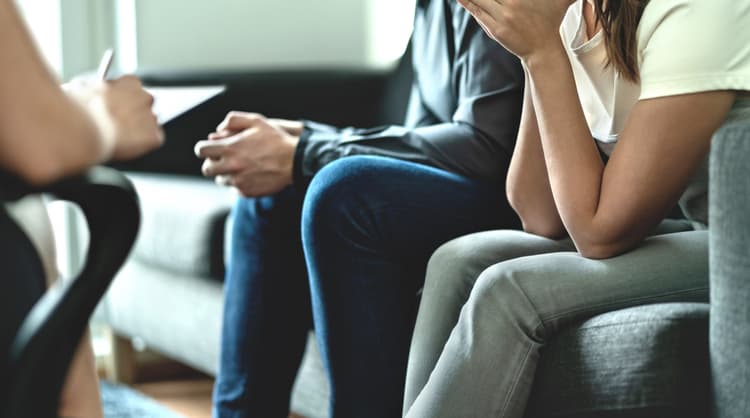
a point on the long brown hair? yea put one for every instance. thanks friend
(619, 22)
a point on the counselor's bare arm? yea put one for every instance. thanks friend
(46, 133)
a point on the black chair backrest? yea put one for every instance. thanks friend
(48, 337)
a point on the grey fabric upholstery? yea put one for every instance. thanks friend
(183, 222)
(648, 361)
(174, 313)
(729, 211)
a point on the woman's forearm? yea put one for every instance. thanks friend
(527, 184)
(572, 159)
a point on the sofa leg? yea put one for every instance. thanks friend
(122, 364)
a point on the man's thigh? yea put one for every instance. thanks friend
(401, 208)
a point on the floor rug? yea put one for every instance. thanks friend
(120, 401)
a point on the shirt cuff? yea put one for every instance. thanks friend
(298, 176)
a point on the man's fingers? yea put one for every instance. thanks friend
(220, 167)
(237, 121)
(224, 180)
(213, 149)
(220, 134)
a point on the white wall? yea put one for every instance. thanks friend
(220, 34)
(194, 35)
(43, 19)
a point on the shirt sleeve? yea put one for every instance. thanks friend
(476, 141)
(691, 46)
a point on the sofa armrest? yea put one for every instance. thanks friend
(729, 205)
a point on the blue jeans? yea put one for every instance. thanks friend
(368, 226)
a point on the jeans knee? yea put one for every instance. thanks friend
(448, 269)
(500, 295)
(340, 191)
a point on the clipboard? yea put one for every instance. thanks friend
(171, 102)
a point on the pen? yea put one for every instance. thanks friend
(105, 63)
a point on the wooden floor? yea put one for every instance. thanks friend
(189, 398)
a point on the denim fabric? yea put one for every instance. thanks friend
(22, 281)
(368, 225)
(730, 270)
(479, 359)
(266, 309)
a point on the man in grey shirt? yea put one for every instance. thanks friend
(358, 211)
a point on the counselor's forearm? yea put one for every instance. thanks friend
(43, 133)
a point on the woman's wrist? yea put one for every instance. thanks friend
(549, 58)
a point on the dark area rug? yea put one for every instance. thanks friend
(120, 401)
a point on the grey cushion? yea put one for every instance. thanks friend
(182, 229)
(177, 315)
(648, 361)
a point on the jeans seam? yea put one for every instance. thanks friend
(626, 302)
(516, 378)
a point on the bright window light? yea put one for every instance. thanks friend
(43, 18)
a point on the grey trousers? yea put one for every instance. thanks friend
(492, 299)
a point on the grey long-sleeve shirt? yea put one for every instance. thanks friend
(463, 112)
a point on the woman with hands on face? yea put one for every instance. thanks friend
(622, 100)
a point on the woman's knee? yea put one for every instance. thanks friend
(456, 265)
(501, 297)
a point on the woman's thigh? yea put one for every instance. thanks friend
(451, 274)
(563, 287)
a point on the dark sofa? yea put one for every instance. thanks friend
(651, 361)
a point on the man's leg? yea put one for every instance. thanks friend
(267, 309)
(369, 225)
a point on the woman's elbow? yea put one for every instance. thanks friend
(544, 228)
(536, 222)
(602, 250)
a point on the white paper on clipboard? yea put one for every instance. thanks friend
(171, 102)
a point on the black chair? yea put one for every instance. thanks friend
(46, 341)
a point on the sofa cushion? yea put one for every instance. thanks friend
(182, 226)
(648, 361)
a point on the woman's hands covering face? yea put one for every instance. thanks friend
(523, 27)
